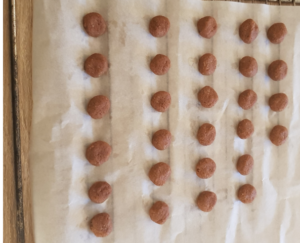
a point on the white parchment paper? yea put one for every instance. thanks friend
(62, 130)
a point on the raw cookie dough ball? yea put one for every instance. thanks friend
(247, 99)
(159, 173)
(206, 134)
(101, 225)
(244, 164)
(94, 24)
(278, 135)
(248, 66)
(246, 193)
(248, 31)
(207, 27)
(159, 26)
(276, 33)
(98, 153)
(207, 64)
(277, 70)
(160, 64)
(278, 102)
(205, 168)
(161, 139)
(245, 129)
(99, 191)
(161, 101)
(206, 201)
(208, 97)
(96, 65)
(159, 212)
(98, 106)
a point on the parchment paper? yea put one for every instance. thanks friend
(62, 130)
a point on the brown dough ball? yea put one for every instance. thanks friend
(161, 101)
(99, 191)
(94, 24)
(248, 66)
(205, 168)
(98, 153)
(208, 97)
(207, 27)
(247, 99)
(159, 173)
(248, 31)
(206, 134)
(161, 139)
(101, 225)
(206, 201)
(245, 164)
(245, 129)
(98, 106)
(159, 26)
(276, 33)
(278, 102)
(159, 212)
(160, 64)
(278, 135)
(246, 193)
(207, 64)
(277, 70)
(96, 65)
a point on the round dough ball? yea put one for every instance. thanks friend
(159, 212)
(278, 135)
(161, 101)
(245, 129)
(159, 26)
(159, 173)
(205, 168)
(161, 139)
(246, 193)
(98, 153)
(99, 191)
(207, 64)
(101, 225)
(98, 106)
(248, 31)
(94, 24)
(244, 164)
(206, 201)
(248, 66)
(206, 134)
(208, 97)
(277, 70)
(278, 102)
(207, 27)
(96, 65)
(160, 64)
(276, 33)
(247, 99)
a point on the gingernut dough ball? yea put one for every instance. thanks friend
(276, 33)
(101, 225)
(98, 153)
(207, 27)
(245, 129)
(278, 135)
(208, 97)
(244, 164)
(99, 191)
(96, 65)
(206, 134)
(160, 64)
(159, 173)
(161, 101)
(98, 106)
(277, 70)
(206, 201)
(205, 168)
(159, 212)
(247, 99)
(246, 193)
(278, 102)
(248, 66)
(94, 24)
(161, 139)
(248, 31)
(159, 26)
(207, 64)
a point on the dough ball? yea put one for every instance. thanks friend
(278, 135)
(207, 64)
(96, 65)
(206, 134)
(207, 27)
(278, 102)
(160, 64)
(248, 31)
(206, 201)
(247, 99)
(159, 173)
(161, 139)
(159, 212)
(248, 66)
(246, 193)
(277, 70)
(94, 24)
(98, 153)
(205, 168)
(101, 225)
(159, 26)
(244, 164)
(98, 106)
(161, 101)
(99, 191)
(245, 129)
(276, 33)
(208, 97)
